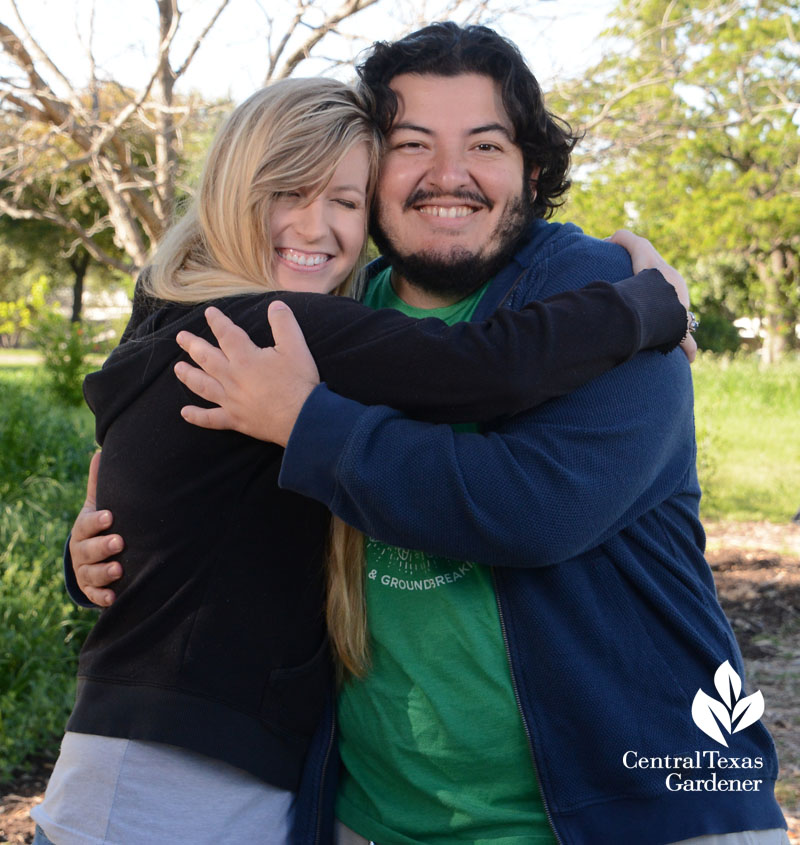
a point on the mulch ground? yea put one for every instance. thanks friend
(756, 567)
(757, 572)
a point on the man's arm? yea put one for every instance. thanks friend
(538, 490)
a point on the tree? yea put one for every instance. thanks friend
(693, 139)
(122, 145)
(126, 143)
(35, 246)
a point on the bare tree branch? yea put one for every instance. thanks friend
(88, 48)
(275, 55)
(346, 10)
(199, 40)
(57, 110)
(46, 60)
(29, 110)
(70, 225)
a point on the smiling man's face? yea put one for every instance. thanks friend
(452, 199)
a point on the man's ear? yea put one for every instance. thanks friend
(534, 181)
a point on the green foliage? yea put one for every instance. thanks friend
(18, 271)
(39, 639)
(707, 446)
(44, 453)
(719, 289)
(717, 333)
(16, 316)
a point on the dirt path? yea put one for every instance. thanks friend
(757, 570)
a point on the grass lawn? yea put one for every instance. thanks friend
(748, 425)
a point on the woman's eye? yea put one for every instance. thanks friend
(347, 204)
(487, 147)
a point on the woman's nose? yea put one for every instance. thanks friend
(310, 220)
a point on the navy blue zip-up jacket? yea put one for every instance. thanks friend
(587, 508)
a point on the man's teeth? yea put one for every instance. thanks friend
(303, 259)
(447, 211)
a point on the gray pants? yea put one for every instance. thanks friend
(775, 836)
(345, 836)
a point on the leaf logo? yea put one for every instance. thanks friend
(709, 713)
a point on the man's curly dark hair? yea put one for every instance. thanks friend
(448, 49)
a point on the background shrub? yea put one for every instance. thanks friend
(717, 333)
(66, 348)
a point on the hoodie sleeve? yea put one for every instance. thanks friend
(474, 372)
(534, 490)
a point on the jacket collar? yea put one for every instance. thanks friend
(540, 242)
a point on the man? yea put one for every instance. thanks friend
(549, 693)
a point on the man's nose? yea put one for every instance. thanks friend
(449, 171)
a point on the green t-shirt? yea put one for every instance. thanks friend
(419, 754)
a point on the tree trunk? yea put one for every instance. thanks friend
(771, 273)
(79, 262)
(792, 315)
(165, 136)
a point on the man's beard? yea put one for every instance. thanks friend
(456, 272)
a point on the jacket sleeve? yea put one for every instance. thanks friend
(537, 490)
(480, 371)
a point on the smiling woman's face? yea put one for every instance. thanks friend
(317, 242)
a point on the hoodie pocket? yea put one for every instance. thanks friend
(294, 695)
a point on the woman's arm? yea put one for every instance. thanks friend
(466, 372)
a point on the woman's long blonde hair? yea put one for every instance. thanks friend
(292, 134)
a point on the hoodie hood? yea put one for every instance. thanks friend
(146, 350)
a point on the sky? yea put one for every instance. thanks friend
(557, 37)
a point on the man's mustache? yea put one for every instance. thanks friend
(470, 197)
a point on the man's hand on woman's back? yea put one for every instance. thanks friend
(90, 549)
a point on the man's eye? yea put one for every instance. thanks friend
(487, 147)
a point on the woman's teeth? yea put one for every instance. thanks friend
(303, 259)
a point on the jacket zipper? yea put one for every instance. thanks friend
(525, 726)
(325, 760)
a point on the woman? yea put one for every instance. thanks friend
(201, 686)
